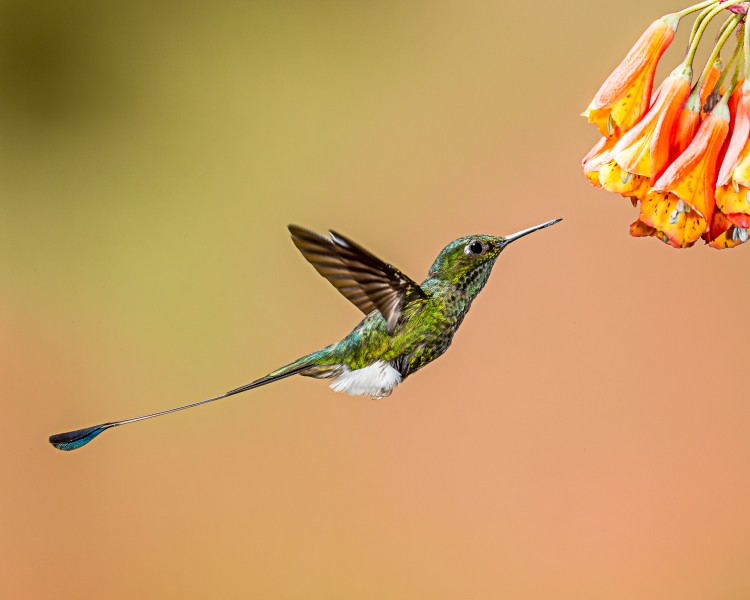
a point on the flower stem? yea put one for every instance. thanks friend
(697, 24)
(735, 76)
(695, 8)
(701, 28)
(723, 28)
(735, 56)
(727, 29)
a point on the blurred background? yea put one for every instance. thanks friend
(587, 435)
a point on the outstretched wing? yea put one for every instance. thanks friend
(365, 280)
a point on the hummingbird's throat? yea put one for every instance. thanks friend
(473, 281)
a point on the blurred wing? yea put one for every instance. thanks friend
(365, 280)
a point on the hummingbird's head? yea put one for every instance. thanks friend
(467, 262)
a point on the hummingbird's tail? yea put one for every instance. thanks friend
(312, 365)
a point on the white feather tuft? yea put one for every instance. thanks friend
(376, 380)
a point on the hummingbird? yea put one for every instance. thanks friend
(406, 325)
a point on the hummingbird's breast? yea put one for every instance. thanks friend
(427, 328)
(370, 361)
(436, 325)
(423, 333)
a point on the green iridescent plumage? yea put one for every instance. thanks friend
(427, 321)
(407, 325)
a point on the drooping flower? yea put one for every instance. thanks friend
(645, 149)
(733, 183)
(723, 234)
(707, 88)
(734, 101)
(681, 202)
(687, 124)
(598, 155)
(672, 219)
(692, 176)
(625, 96)
(614, 178)
(603, 172)
(640, 229)
(663, 150)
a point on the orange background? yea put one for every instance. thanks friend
(587, 435)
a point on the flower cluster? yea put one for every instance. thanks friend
(681, 151)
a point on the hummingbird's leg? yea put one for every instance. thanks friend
(382, 393)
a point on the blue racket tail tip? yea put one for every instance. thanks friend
(72, 440)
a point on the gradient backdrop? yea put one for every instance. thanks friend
(586, 437)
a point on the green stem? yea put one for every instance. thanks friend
(735, 80)
(723, 28)
(728, 27)
(697, 24)
(701, 28)
(735, 57)
(735, 77)
(695, 8)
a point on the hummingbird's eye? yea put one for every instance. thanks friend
(476, 248)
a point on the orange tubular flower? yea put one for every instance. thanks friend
(625, 95)
(681, 155)
(681, 203)
(614, 178)
(709, 83)
(734, 101)
(687, 125)
(602, 171)
(733, 183)
(672, 219)
(596, 157)
(723, 234)
(644, 150)
(640, 229)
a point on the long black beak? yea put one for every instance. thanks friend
(512, 238)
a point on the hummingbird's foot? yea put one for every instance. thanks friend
(382, 393)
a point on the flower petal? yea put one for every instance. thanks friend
(614, 178)
(666, 213)
(644, 150)
(624, 97)
(687, 125)
(723, 234)
(692, 176)
(739, 143)
(596, 157)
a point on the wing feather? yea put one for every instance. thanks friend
(366, 281)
